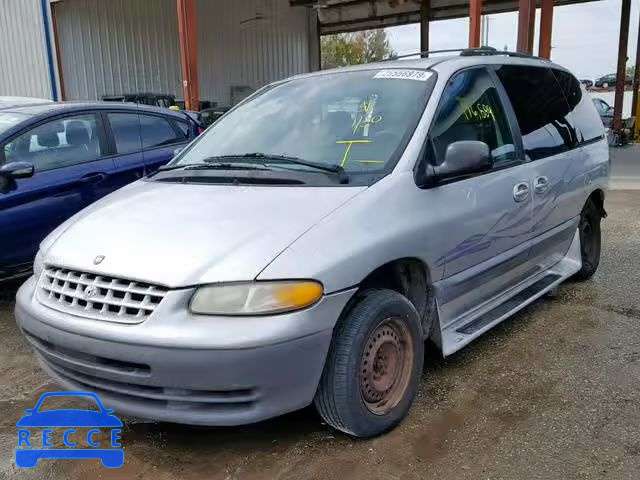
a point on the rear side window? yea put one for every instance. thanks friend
(541, 110)
(183, 128)
(583, 113)
(126, 132)
(157, 131)
(470, 109)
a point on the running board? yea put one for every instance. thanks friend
(469, 327)
(510, 305)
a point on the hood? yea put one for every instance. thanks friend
(182, 235)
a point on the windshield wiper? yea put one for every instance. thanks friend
(209, 166)
(226, 166)
(268, 157)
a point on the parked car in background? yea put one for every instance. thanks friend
(57, 158)
(308, 243)
(587, 83)
(610, 81)
(162, 100)
(9, 102)
(605, 111)
(212, 115)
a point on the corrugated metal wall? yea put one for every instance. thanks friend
(249, 43)
(117, 46)
(23, 62)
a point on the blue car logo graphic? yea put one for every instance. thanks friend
(68, 419)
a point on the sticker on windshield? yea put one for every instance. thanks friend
(419, 75)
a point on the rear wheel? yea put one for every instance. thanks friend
(590, 240)
(374, 365)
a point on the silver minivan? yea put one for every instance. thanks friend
(306, 246)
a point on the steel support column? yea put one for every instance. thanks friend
(636, 80)
(526, 25)
(622, 63)
(475, 14)
(425, 8)
(546, 26)
(188, 52)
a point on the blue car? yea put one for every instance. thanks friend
(57, 158)
(68, 418)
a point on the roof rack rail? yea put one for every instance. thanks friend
(465, 52)
(407, 55)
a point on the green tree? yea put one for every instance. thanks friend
(344, 49)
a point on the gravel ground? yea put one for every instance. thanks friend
(552, 393)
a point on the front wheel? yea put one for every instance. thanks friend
(374, 365)
(590, 240)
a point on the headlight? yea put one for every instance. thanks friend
(255, 298)
(38, 264)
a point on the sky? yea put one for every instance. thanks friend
(584, 39)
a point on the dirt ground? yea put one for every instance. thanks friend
(553, 393)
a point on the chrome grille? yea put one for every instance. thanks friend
(98, 296)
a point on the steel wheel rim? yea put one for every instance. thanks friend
(385, 366)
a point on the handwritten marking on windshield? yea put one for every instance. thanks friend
(349, 145)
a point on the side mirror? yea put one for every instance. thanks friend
(15, 170)
(463, 158)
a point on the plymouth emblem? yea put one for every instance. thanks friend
(90, 291)
(98, 260)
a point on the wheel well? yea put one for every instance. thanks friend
(409, 277)
(597, 197)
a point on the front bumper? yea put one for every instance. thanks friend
(170, 381)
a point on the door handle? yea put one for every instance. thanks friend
(93, 178)
(521, 191)
(541, 184)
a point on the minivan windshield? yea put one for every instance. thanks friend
(357, 122)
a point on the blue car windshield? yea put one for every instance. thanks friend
(360, 120)
(9, 120)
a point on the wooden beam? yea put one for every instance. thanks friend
(526, 25)
(546, 27)
(425, 8)
(621, 76)
(475, 14)
(188, 52)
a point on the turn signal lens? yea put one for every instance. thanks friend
(255, 298)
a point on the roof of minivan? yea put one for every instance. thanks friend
(445, 64)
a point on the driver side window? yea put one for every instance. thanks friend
(56, 144)
(470, 109)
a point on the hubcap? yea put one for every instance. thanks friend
(385, 367)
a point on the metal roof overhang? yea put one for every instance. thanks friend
(337, 16)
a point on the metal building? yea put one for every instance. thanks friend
(24, 66)
(99, 47)
(216, 50)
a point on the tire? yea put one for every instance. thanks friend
(374, 365)
(590, 240)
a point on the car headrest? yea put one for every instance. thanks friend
(77, 133)
(48, 139)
